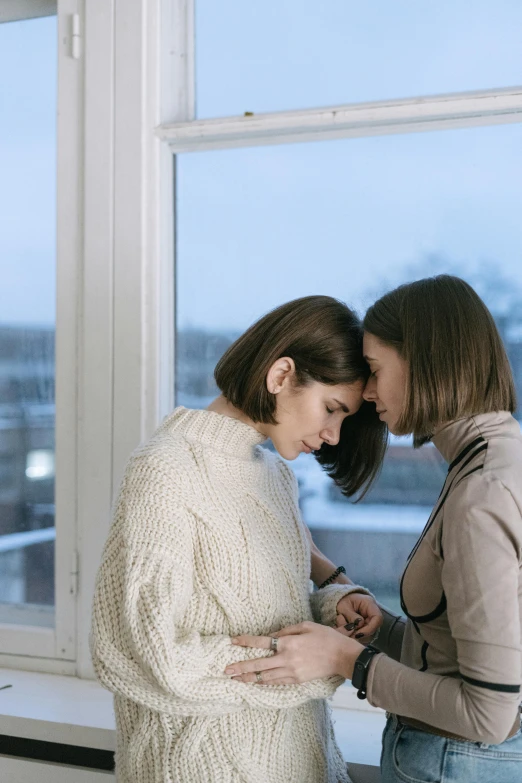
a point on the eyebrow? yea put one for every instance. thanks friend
(344, 407)
(369, 359)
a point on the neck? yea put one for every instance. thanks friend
(225, 408)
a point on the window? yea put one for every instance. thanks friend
(92, 365)
(27, 307)
(39, 260)
(348, 218)
(349, 201)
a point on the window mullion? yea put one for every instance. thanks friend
(440, 112)
(68, 266)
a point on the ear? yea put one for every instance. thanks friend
(280, 374)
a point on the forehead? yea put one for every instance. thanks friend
(344, 392)
(373, 348)
(349, 394)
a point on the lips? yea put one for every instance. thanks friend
(308, 448)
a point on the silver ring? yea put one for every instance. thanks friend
(259, 677)
(274, 641)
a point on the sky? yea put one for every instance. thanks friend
(259, 226)
(28, 75)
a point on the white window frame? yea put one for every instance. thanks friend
(127, 103)
(22, 644)
(115, 286)
(16, 10)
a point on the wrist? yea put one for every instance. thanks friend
(332, 577)
(342, 579)
(362, 670)
(349, 654)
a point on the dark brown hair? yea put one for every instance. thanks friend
(324, 338)
(457, 363)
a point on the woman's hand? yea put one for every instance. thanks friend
(307, 651)
(362, 610)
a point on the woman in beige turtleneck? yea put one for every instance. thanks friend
(449, 673)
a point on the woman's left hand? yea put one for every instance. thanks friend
(307, 651)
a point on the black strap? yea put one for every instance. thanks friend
(492, 686)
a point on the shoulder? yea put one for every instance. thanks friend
(483, 502)
(166, 461)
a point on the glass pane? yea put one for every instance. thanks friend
(349, 218)
(28, 75)
(292, 54)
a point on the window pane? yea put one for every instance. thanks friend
(349, 218)
(28, 74)
(292, 54)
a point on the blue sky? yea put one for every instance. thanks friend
(290, 54)
(28, 76)
(263, 225)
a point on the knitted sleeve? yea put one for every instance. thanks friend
(142, 646)
(324, 602)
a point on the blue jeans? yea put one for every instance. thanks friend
(412, 756)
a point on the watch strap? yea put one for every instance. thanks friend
(361, 669)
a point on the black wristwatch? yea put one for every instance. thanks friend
(360, 670)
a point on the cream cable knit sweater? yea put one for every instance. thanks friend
(207, 543)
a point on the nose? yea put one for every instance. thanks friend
(370, 390)
(331, 435)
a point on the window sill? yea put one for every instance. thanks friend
(54, 708)
(70, 711)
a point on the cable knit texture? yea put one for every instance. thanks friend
(206, 543)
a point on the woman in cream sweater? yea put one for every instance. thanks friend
(450, 672)
(207, 543)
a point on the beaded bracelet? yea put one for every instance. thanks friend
(333, 577)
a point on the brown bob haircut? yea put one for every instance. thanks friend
(324, 338)
(457, 362)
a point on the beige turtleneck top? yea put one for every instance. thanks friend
(459, 652)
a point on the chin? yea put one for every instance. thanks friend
(287, 453)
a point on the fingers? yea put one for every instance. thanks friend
(279, 676)
(350, 615)
(284, 681)
(257, 665)
(261, 642)
(349, 628)
(342, 630)
(371, 626)
(341, 625)
(292, 630)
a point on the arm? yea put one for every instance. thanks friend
(323, 603)
(480, 574)
(141, 646)
(342, 601)
(322, 568)
(391, 634)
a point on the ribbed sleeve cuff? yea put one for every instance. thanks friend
(324, 602)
